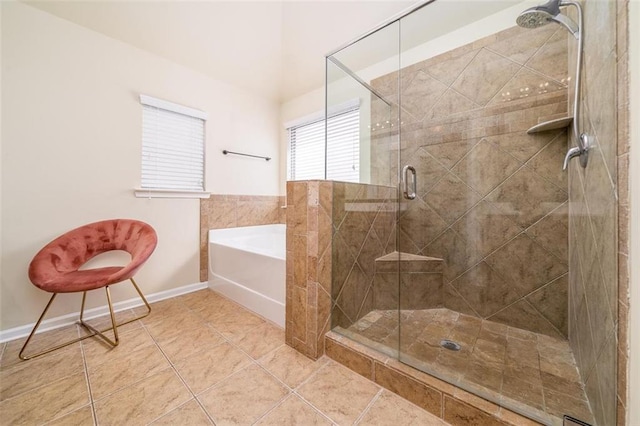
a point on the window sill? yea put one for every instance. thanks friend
(169, 193)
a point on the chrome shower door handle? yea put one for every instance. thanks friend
(405, 182)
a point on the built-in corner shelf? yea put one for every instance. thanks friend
(558, 123)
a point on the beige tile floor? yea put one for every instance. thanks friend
(197, 359)
(522, 370)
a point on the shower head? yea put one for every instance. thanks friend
(538, 16)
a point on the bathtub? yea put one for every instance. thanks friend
(247, 265)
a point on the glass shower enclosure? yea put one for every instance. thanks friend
(452, 254)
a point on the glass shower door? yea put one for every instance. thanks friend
(484, 265)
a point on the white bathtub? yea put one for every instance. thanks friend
(247, 265)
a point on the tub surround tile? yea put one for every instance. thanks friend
(221, 211)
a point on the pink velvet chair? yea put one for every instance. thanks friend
(56, 268)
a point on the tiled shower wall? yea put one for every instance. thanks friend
(491, 199)
(308, 279)
(363, 230)
(230, 211)
(335, 231)
(598, 199)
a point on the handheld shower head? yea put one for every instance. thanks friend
(538, 16)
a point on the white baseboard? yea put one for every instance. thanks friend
(64, 320)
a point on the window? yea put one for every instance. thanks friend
(172, 148)
(307, 148)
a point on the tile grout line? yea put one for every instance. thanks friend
(209, 325)
(177, 373)
(88, 381)
(369, 405)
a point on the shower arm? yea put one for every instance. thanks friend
(582, 140)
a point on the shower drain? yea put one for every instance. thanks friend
(449, 344)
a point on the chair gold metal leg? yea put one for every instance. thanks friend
(144, 300)
(21, 354)
(93, 331)
(114, 327)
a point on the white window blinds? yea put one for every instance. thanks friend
(307, 148)
(172, 146)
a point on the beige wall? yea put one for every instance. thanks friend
(71, 150)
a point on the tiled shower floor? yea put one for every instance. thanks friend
(525, 371)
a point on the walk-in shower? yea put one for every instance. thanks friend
(452, 254)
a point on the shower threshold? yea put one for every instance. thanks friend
(529, 373)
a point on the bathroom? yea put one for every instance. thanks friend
(501, 235)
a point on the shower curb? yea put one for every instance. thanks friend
(452, 404)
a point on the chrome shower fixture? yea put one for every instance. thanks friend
(538, 16)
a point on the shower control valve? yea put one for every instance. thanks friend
(582, 151)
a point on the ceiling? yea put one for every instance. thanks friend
(272, 48)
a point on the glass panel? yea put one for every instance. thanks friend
(484, 290)
(364, 273)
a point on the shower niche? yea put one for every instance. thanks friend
(470, 280)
